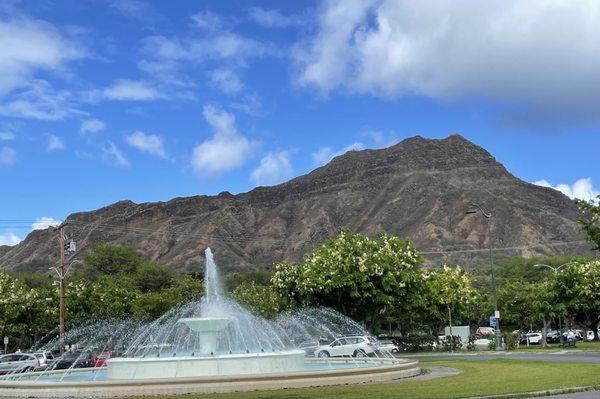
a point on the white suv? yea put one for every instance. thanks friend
(355, 346)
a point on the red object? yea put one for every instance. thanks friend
(101, 359)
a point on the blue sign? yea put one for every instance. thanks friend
(492, 321)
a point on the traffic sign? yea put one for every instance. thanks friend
(5, 340)
(492, 321)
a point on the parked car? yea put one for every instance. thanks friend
(553, 336)
(388, 345)
(102, 358)
(44, 359)
(531, 338)
(17, 363)
(579, 335)
(482, 343)
(355, 346)
(74, 359)
(485, 331)
(589, 336)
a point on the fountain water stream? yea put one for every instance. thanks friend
(214, 336)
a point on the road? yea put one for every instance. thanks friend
(559, 356)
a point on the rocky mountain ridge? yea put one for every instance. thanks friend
(418, 188)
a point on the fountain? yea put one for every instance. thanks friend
(208, 345)
(214, 337)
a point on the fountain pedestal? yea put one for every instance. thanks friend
(208, 328)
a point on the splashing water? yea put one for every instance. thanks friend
(243, 333)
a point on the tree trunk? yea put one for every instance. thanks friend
(545, 332)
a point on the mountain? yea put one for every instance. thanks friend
(418, 188)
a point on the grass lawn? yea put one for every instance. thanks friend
(477, 378)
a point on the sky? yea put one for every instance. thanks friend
(104, 100)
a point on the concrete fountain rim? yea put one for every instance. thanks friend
(386, 370)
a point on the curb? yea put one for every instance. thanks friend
(535, 394)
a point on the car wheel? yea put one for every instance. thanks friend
(324, 354)
(360, 353)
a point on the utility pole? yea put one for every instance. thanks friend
(65, 245)
(61, 275)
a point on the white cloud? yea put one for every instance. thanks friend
(91, 126)
(249, 104)
(208, 21)
(44, 222)
(29, 46)
(113, 155)
(274, 168)
(226, 80)
(8, 156)
(226, 150)
(55, 143)
(9, 238)
(326, 154)
(132, 90)
(274, 19)
(381, 139)
(39, 100)
(150, 143)
(581, 189)
(7, 136)
(542, 54)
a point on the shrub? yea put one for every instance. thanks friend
(415, 342)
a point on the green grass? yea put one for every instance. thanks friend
(477, 378)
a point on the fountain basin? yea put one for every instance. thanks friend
(205, 366)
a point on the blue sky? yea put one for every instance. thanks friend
(107, 100)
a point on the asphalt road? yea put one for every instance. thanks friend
(559, 356)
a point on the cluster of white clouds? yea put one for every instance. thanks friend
(225, 150)
(274, 168)
(542, 55)
(582, 189)
(41, 223)
(149, 143)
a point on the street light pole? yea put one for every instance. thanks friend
(474, 208)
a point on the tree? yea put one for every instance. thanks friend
(260, 299)
(112, 260)
(591, 222)
(152, 277)
(525, 303)
(362, 277)
(577, 287)
(451, 290)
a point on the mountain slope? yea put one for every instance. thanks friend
(418, 188)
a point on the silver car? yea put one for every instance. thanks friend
(18, 363)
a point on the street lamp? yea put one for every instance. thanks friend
(555, 270)
(474, 208)
(61, 272)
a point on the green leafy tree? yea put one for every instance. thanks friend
(591, 221)
(365, 278)
(152, 277)
(524, 303)
(260, 299)
(577, 288)
(18, 305)
(112, 260)
(451, 292)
